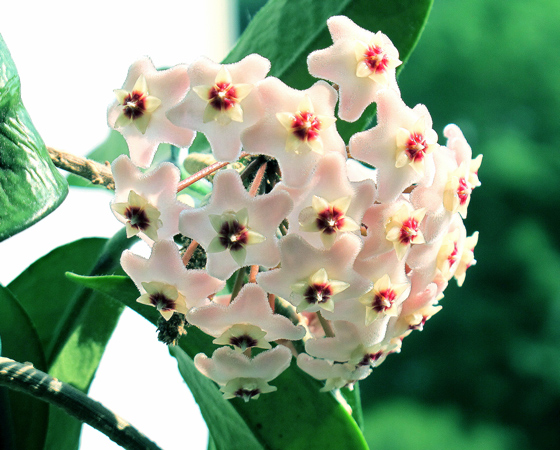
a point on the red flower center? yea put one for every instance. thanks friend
(330, 220)
(134, 104)
(416, 147)
(233, 235)
(306, 126)
(383, 300)
(137, 217)
(375, 59)
(318, 293)
(161, 302)
(409, 230)
(223, 96)
(463, 191)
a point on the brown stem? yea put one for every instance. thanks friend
(189, 252)
(93, 171)
(253, 273)
(272, 301)
(204, 173)
(257, 181)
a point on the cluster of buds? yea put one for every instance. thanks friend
(345, 259)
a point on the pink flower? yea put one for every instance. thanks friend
(165, 283)
(147, 202)
(241, 376)
(236, 229)
(359, 62)
(139, 110)
(313, 279)
(336, 376)
(400, 146)
(222, 102)
(329, 205)
(296, 129)
(246, 322)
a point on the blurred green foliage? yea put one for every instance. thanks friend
(485, 372)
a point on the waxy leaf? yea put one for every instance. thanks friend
(30, 186)
(227, 429)
(46, 275)
(296, 416)
(20, 342)
(74, 324)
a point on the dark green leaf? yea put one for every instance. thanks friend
(30, 186)
(21, 343)
(353, 399)
(296, 416)
(227, 430)
(80, 340)
(74, 323)
(286, 32)
(43, 290)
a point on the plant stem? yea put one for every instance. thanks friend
(257, 181)
(25, 378)
(93, 171)
(204, 173)
(325, 324)
(189, 252)
(253, 273)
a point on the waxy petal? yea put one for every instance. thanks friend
(222, 128)
(169, 87)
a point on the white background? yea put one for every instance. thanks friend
(70, 56)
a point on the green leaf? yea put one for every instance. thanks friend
(296, 416)
(227, 429)
(30, 186)
(286, 32)
(73, 323)
(46, 276)
(355, 402)
(21, 343)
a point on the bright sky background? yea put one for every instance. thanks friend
(70, 56)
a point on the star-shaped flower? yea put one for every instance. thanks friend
(329, 205)
(147, 203)
(247, 322)
(222, 102)
(403, 229)
(400, 146)
(297, 128)
(236, 229)
(458, 144)
(467, 258)
(359, 62)
(382, 301)
(313, 279)
(165, 283)
(241, 376)
(351, 343)
(140, 107)
(437, 197)
(336, 376)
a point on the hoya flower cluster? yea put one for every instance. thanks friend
(345, 259)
